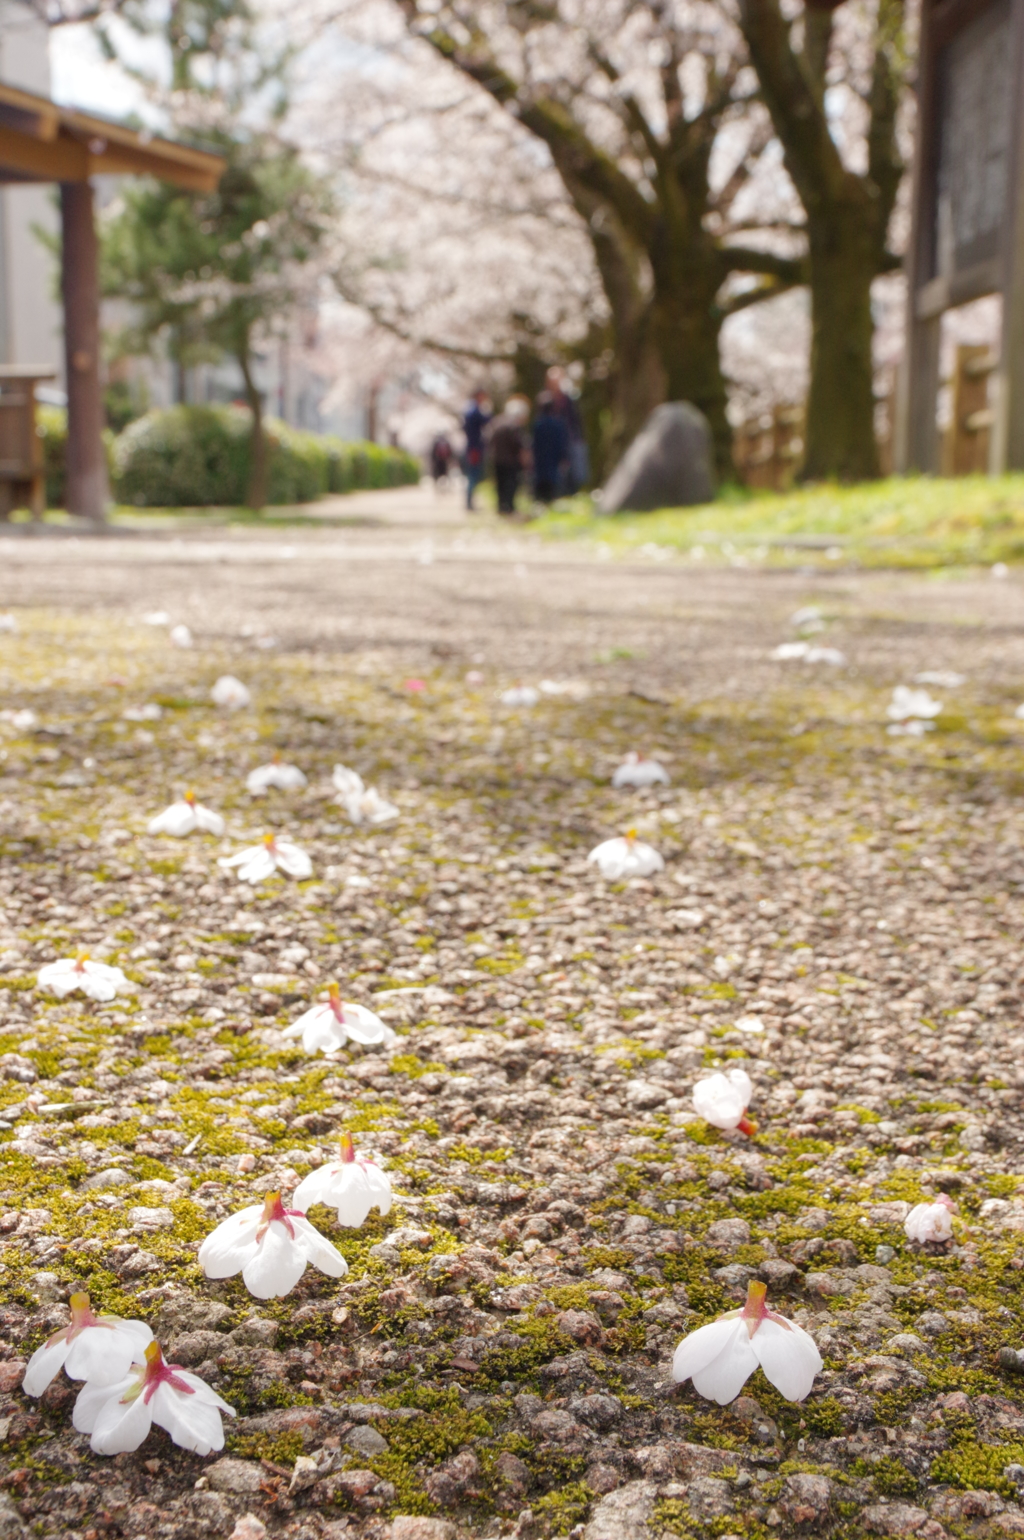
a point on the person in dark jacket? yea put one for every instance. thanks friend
(509, 450)
(576, 472)
(550, 449)
(474, 423)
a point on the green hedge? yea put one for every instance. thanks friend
(198, 456)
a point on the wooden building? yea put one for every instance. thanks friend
(41, 142)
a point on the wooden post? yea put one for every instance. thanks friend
(87, 492)
(1007, 438)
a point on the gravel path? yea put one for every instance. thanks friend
(497, 1360)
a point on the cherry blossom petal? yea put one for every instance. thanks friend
(293, 860)
(702, 1347)
(276, 1265)
(119, 1427)
(44, 1365)
(318, 1249)
(192, 1421)
(789, 1357)
(104, 1354)
(363, 1026)
(227, 1249)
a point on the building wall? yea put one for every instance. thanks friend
(30, 316)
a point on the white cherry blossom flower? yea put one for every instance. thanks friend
(8, 623)
(785, 652)
(277, 775)
(270, 1246)
(181, 636)
(911, 711)
(156, 618)
(807, 619)
(351, 1185)
(520, 695)
(363, 804)
(371, 808)
(625, 856)
(275, 854)
(96, 980)
(722, 1100)
(931, 1221)
(151, 712)
(1019, 713)
(721, 1357)
(635, 770)
(185, 817)
(230, 693)
(825, 655)
(24, 720)
(327, 1027)
(119, 1416)
(941, 678)
(99, 1348)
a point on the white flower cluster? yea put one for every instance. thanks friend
(128, 1385)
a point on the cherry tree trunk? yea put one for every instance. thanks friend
(841, 401)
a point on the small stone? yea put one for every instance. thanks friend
(553, 1423)
(893, 1519)
(513, 1474)
(728, 1234)
(581, 1325)
(1012, 1360)
(600, 1411)
(932, 1323)
(249, 1527)
(235, 1476)
(624, 1514)
(884, 1255)
(113, 1176)
(12, 1372)
(366, 1441)
(602, 1478)
(409, 1526)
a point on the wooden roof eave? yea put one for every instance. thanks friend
(41, 142)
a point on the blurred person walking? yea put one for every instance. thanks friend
(577, 470)
(441, 455)
(474, 423)
(510, 451)
(551, 445)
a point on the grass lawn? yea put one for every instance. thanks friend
(901, 522)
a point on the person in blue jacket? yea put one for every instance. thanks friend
(550, 449)
(478, 414)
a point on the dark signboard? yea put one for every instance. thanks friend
(976, 94)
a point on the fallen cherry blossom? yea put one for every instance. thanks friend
(95, 979)
(276, 775)
(722, 1100)
(625, 856)
(275, 854)
(119, 1416)
(635, 770)
(520, 695)
(327, 1027)
(230, 693)
(185, 817)
(271, 1247)
(99, 1348)
(181, 636)
(931, 1221)
(911, 711)
(721, 1357)
(351, 1185)
(363, 804)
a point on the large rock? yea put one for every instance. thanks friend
(668, 465)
